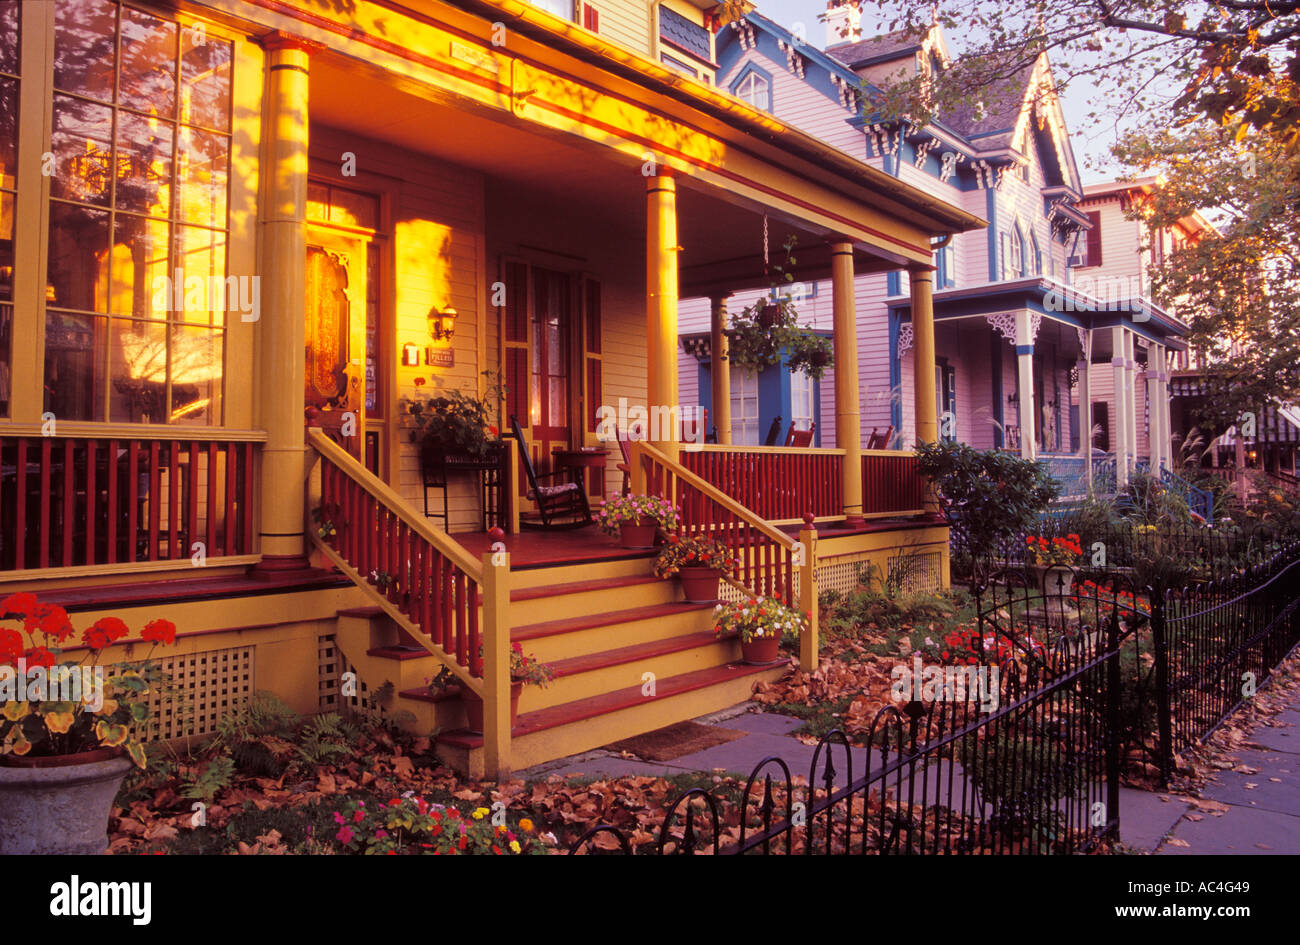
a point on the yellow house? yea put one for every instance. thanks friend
(238, 233)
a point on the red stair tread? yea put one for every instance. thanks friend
(554, 716)
(630, 654)
(589, 621)
(578, 587)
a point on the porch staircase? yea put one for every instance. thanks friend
(629, 657)
(628, 654)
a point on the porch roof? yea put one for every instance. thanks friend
(1056, 301)
(905, 200)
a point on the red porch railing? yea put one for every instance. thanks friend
(765, 555)
(781, 485)
(427, 577)
(891, 484)
(88, 500)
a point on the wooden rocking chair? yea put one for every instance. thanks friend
(800, 438)
(559, 504)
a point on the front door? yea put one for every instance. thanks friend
(336, 336)
(550, 340)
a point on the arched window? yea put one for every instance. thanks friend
(1016, 260)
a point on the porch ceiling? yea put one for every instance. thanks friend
(721, 235)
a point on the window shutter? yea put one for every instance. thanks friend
(514, 339)
(1006, 254)
(591, 17)
(592, 357)
(1093, 248)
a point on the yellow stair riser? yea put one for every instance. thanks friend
(598, 639)
(589, 571)
(598, 601)
(625, 675)
(565, 740)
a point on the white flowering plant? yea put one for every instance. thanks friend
(758, 618)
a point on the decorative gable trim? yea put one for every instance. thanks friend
(793, 60)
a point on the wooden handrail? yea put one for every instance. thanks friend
(390, 499)
(641, 450)
(761, 450)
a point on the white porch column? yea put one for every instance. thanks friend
(1085, 408)
(1162, 403)
(1119, 433)
(1025, 384)
(1155, 449)
(1130, 374)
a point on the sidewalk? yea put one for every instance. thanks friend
(1253, 807)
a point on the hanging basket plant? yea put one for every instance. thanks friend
(766, 333)
(810, 353)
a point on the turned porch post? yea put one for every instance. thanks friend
(720, 369)
(848, 419)
(1120, 431)
(661, 312)
(1085, 408)
(1025, 385)
(924, 395)
(281, 364)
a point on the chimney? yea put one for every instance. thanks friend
(843, 21)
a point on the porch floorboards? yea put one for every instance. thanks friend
(540, 549)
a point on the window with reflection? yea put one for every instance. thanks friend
(137, 291)
(10, 14)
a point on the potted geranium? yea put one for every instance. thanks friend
(1053, 561)
(524, 671)
(760, 622)
(69, 730)
(699, 562)
(636, 518)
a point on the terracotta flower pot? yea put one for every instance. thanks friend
(638, 535)
(760, 650)
(474, 706)
(700, 585)
(59, 804)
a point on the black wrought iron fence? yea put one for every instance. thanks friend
(1006, 759)
(1017, 740)
(1217, 643)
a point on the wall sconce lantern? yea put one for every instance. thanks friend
(442, 324)
(1013, 398)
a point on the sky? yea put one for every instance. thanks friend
(1091, 144)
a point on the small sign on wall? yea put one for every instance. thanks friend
(440, 357)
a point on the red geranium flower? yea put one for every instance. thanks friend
(18, 605)
(160, 631)
(40, 656)
(104, 631)
(51, 620)
(11, 645)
